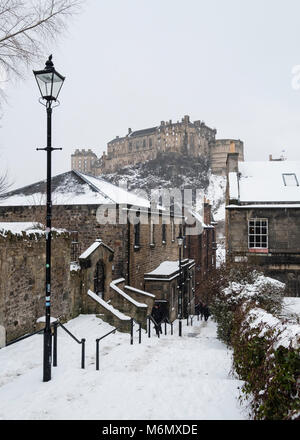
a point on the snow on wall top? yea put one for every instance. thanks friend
(17, 228)
(108, 307)
(264, 182)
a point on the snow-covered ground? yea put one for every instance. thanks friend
(167, 378)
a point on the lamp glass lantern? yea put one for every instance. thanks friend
(49, 81)
(180, 240)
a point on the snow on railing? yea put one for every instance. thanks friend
(142, 292)
(120, 292)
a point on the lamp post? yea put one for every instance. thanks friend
(180, 243)
(49, 82)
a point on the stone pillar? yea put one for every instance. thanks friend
(2, 336)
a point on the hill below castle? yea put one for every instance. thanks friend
(174, 170)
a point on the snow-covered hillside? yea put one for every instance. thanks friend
(170, 170)
(167, 378)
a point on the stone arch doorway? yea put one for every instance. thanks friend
(99, 279)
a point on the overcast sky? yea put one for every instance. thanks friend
(134, 63)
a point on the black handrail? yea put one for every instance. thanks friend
(82, 342)
(23, 337)
(97, 345)
(165, 320)
(132, 321)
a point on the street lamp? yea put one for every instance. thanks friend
(180, 243)
(50, 83)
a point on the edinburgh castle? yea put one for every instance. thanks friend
(188, 138)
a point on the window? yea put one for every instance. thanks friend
(137, 228)
(151, 233)
(172, 230)
(290, 179)
(258, 233)
(164, 233)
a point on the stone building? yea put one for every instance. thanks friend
(83, 161)
(193, 139)
(263, 217)
(113, 238)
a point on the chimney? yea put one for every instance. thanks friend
(232, 163)
(232, 147)
(162, 123)
(270, 157)
(129, 131)
(206, 211)
(186, 119)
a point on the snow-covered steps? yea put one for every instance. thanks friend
(133, 302)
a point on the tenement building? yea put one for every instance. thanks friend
(105, 241)
(263, 217)
(185, 137)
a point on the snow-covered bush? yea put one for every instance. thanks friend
(267, 357)
(247, 287)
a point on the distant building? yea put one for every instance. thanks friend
(185, 137)
(83, 161)
(263, 217)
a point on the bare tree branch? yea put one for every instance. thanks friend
(26, 27)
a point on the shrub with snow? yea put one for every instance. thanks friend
(246, 287)
(267, 357)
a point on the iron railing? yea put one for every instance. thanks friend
(97, 345)
(82, 343)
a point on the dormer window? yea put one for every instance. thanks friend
(290, 179)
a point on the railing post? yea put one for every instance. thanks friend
(172, 328)
(55, 344)
(165, 327)
(131, 331)
(82, 352)
(187, 322)
(192, 321)
(140, 333)
(97, 354)
(149, 328)
(180, 328)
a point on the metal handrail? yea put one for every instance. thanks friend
(23, 337)
(132, 321)
(82, 343)
(97, 345)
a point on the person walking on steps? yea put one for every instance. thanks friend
(157, 316)
(206, 312)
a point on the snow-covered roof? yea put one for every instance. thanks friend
(92, 249)
(167, 269)
(268, 181)
(73, 188)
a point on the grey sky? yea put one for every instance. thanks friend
(133, 63)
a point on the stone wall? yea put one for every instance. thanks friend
(149, 255)
(22, 281)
